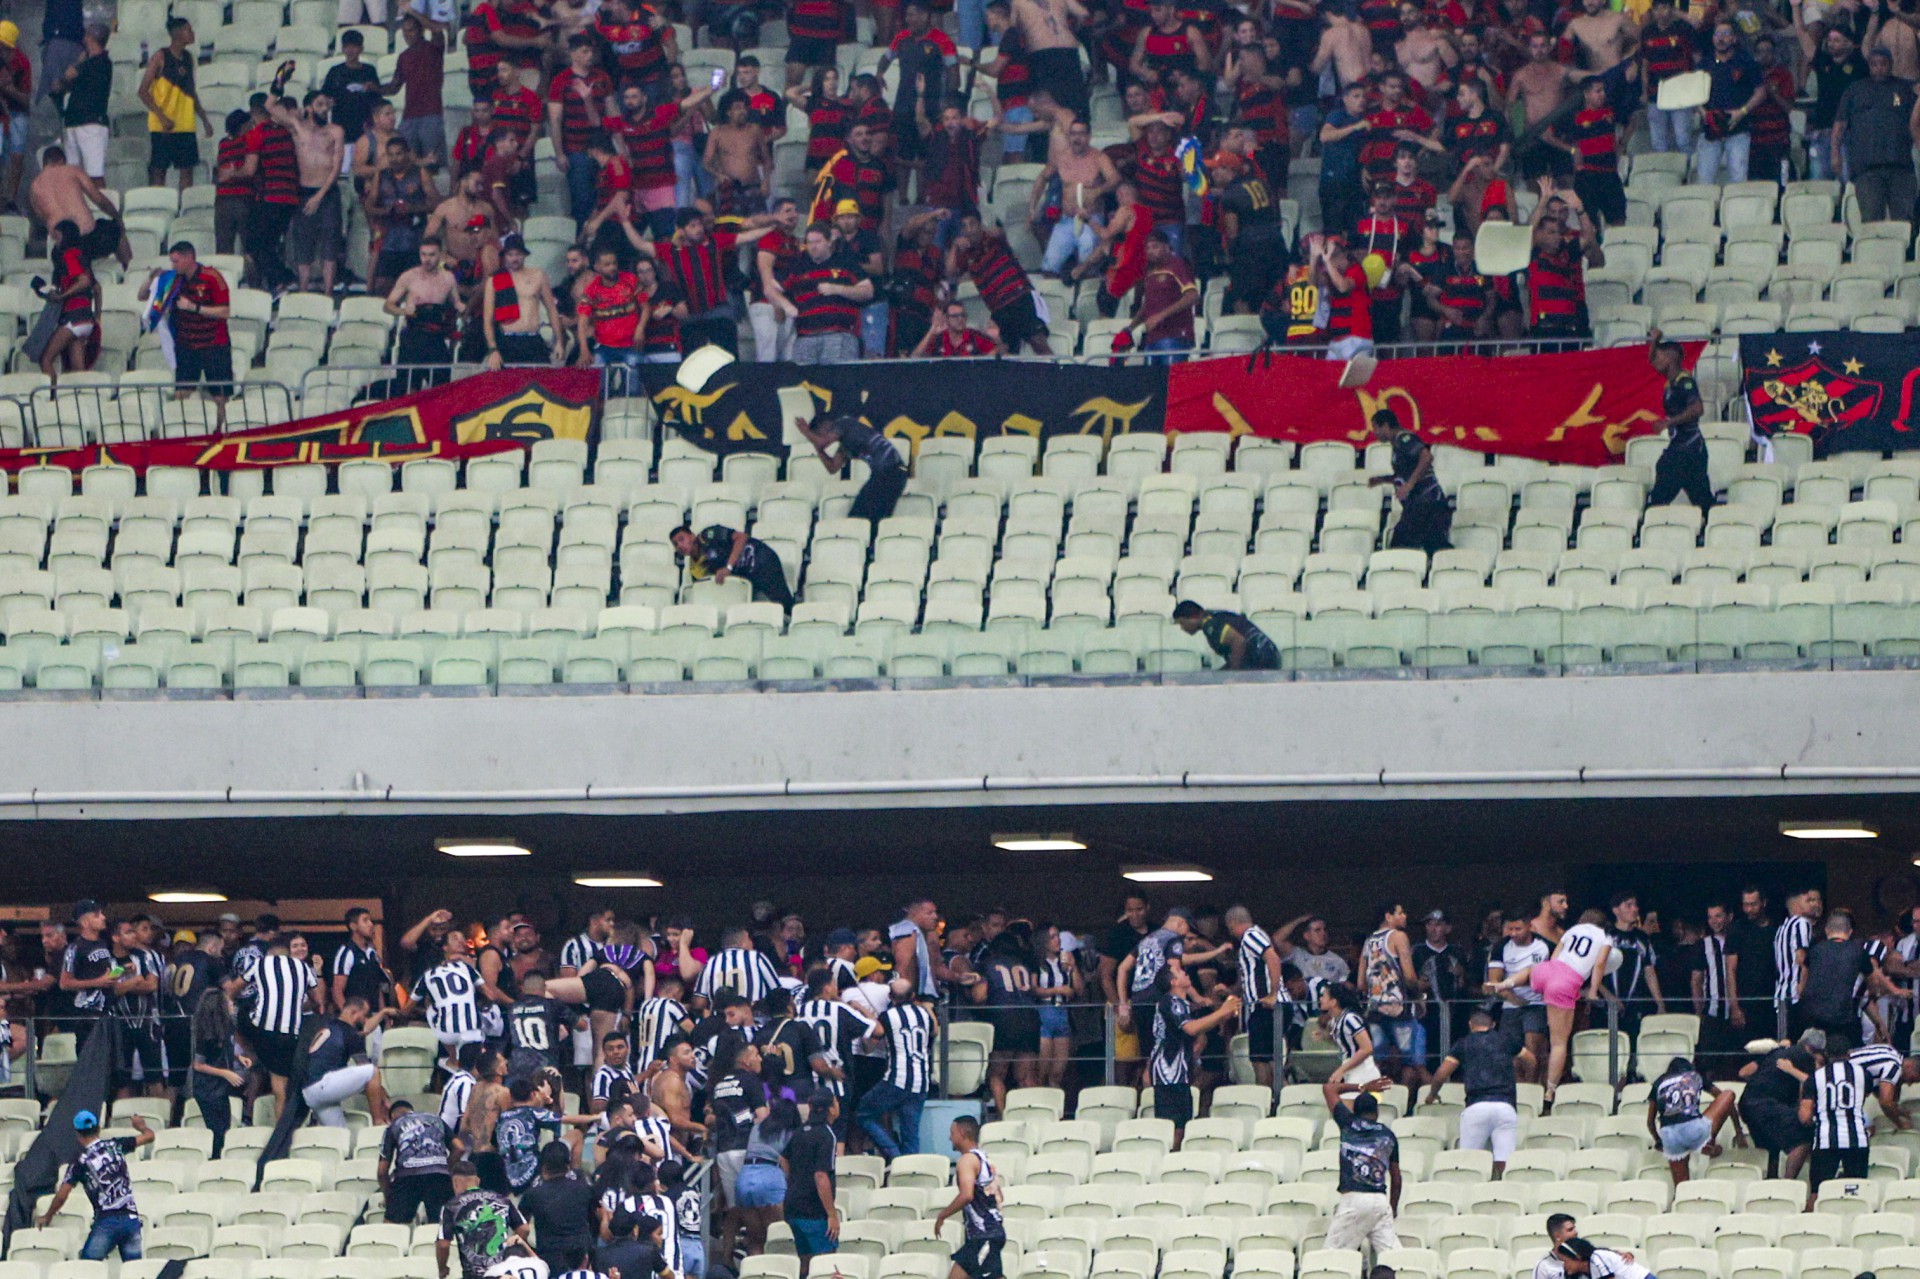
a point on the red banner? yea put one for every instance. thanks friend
(1579, 408)
(483, 413)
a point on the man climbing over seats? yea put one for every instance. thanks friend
(101, 1169)
(1369, 1171)
(720, 552)
(1682, 468)
(1426, 522)
(887, 474)
(1244, 645)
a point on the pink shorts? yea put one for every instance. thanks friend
(1557, 983)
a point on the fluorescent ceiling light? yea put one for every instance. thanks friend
(1170, 874)
(615, 879)
(1057, 842)
(482, 848)
(182, 896)
(1844, 828)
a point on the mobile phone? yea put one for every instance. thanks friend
(719, 76)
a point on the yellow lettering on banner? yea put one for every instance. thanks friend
(1021, 424)
(905, 428)
(1371, 404)
(742, 428)
(690, 406)
(820, 393)
(1614, 434)
(1237, 423)
(1106, 416)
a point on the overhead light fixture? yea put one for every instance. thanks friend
(1179, 873)
(1057, 842)
(1844, 828)
(185, 896)
(616, 879)
(482, 848)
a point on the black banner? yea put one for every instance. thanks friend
(740, 409)
(1849, 391)
(89, 1087)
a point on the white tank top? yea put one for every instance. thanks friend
(1580, 948)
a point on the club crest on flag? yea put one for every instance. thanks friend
(1811, 397)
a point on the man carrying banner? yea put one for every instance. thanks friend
(1426, 522)
(719, 552)
(887, 477)
(1682, 468)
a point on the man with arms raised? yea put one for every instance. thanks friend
(317, 235)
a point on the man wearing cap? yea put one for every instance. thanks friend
(1872, 143)
(89, 971)
(101, 1169)
(1443, 969)
(16, 109)
(511, 308)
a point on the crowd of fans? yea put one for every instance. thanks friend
(1424, 120)
(679, 1053)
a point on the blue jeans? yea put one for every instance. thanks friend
(1017, 142)
(625, 380)
(1176, 235)
(582, 175)
(883, 1101)
(688, 178)
(873, 330)
(115, 1230)
(1670, 130)
(1710, 155)
(1066, 244)
(973, 22)
(693, 1256)
(1821, 164)
(1166, 344)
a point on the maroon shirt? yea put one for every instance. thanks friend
(422, 68)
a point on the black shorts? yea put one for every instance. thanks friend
(214, 365)
(806, 51)
(1019, 322)
(1260, 1032)
(273, 1051)
(1173, 1102)
(1825, 1165)
(1016, 1030)
(103, 240)
(524, 348)
(605, 994)
(173, 150)
(980, 1258)
(1517, 1023)
(409, 1194)
(143, 1059)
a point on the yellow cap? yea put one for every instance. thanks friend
(186, 935)
(867, 967)
(845, 206)
(9, 34)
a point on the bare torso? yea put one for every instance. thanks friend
(1348, 44)
(737, 151)
(318, 148)
(58, 194)
(1419, 56)
(1604, 39)
(1541, 86)
(453, 215)
(422, 287)
(1077, 173)
(530, 283)
(1044, 24)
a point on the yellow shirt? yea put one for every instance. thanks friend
(174, 100)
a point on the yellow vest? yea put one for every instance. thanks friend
(174, 101)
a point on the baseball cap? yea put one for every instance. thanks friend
(9, 34)
(1436, 916)
(841, 937)
(86, 1121)
(867, 967)
(187, 936)
(524, 924)
(229, 917)
(1224, 159)
(513, 244)
(1879, 51)
(87, 906)
(846, 206)
(1181, 912)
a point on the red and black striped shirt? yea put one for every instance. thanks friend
(577, 117)
(1376, 153)
(1469, 293)
(649, 143)
(1477, 135)
(1556, 284)
(663, 330)
(277, 181)
(192, 330)
(1162, 185)
(820, 20)
(1265, 109)
(848, 177)
(996, 274)
(1593, 136)
(783, 249)
(1169, 51)
(637, 49)
(699, 270)
(828, 120)
(925, 268)
(1666, 53)
(231, 155)
(69, 268)
(1011, 88)
(820, 313)
(517, 111)
(1350, 314)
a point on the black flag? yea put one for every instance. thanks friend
(88, 1088)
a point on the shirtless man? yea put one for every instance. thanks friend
(1085, 177)
(317, 236)
(739, 157)
(467, 227)
(370, 149)
(63, 192)
(1346, 44)
(484, 1104)
(428, 298)
(668, 1090)
(1053, 50)
(1542, 84)
(1426, 54)
(512, 304)
(1604, 37)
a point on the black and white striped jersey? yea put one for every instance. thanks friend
(1839, 1090)
(1795, 935)
(909, 1030)
(1713, 964)
(450, 992)
(604, 1080)
(453, 1099)
(838, 1027)
(655, 1022)
(1256, 983)
(577, 951)
(745, 972)
(844, 978)
(1881, 1062)
(1346, 1033)
(280, 984)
